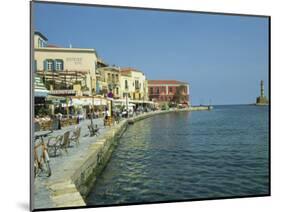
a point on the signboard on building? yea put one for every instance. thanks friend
(63, 92)
(74, 60)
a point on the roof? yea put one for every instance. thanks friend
(170, 82)
(109, 68)
(41, 35)
(65, 49)
(125, 72)
(52, 46)
(99, 60)
(128, 70)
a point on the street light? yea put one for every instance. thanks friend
(126, 92)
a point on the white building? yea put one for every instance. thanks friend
(65, 71)
(133, 84)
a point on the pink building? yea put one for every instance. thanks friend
(165, 91)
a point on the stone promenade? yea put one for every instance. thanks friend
(62, 164)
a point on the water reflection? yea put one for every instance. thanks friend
(188, 155)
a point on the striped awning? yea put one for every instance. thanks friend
(39, 88)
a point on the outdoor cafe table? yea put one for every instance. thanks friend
(41, 134)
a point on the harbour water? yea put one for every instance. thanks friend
(189, 155)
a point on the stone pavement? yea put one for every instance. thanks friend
(70, 171)
(61, 164)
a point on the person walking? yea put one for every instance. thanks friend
(106, 116)
(59, 120)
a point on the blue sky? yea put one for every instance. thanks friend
(223, 58)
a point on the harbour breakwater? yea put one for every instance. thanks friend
(76, 184)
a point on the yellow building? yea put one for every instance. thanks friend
(133, 84)
(109, 80)
(65, 71)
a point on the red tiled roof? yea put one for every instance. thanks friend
(52, 46)
(125, 72)
(165, 82)
(127, 69)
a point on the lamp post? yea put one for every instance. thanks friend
(127, 111)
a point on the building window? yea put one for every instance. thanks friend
(35, 65)
(117, 91)
(151, 90)
(157, 90)
(41, 43)
(108, 77)
(116, 78)
(170, 89)
(48, 65)
(126, 84)
(59, 65)
(137, 84)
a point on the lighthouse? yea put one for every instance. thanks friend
(262, 89)
(261, 100)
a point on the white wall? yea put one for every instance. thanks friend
(73, 60)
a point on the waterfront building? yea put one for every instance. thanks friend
(164, 91)
(133, 84)
(65, 71)
(108, 81)
(261, 100)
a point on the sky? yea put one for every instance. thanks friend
(223, 58)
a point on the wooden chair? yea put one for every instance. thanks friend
(76, 135)
(37, 126)
(55, 124)
(54, 144)
(108, 121)
(64, 123)
(94, 131)
(65, 142)
(44, 125)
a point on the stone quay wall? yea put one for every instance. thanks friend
(74, 188)
(96, 159)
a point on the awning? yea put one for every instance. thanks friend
(39, 88)
(56, 99)
(39, 93)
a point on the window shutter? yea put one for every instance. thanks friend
(53, 65)
(35, 65)
(45, 65)
(62, 65)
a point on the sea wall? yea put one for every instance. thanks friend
(199, 108)
(96, 159)
(73, 189)
(74, 186)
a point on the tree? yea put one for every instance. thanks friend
(180, 94)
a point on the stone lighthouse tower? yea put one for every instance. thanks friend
(262, 89)
(262, 100)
